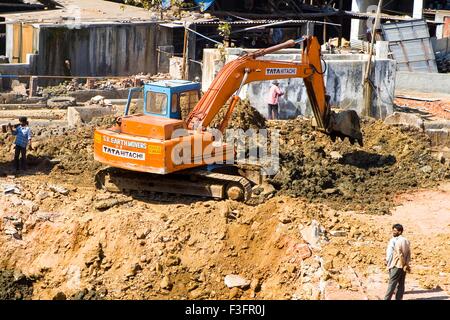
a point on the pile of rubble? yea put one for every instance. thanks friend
(106, 83)
(244, 117)
(15, 286)
(348, 177)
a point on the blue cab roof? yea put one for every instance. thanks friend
(173, 85)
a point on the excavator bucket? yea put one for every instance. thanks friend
(346, 124)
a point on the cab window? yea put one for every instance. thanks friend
(188, 100)
(174, 103)
(156, 102)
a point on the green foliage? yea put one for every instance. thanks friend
(156, 4)
(146, 4)
(224, 30)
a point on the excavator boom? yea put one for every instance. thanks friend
(248, 68)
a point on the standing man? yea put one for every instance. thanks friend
(23, 138)
(274, 94)
(398, 257)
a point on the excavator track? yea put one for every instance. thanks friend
(194, 182)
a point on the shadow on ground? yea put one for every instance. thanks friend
(367, 160)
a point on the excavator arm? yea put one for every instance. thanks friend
(248, 68)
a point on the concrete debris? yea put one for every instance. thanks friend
(233, 280)
(166, 283)
(405, 119)
(427, 169)
(59, 189)
(61, 102)
(18, 88)
(311, 234)
(99, 100)
(338, 233)
(10, 189)
(109, 203)
(335, 155)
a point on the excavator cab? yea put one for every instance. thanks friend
(172, 99)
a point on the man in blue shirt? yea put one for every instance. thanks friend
(23, 138)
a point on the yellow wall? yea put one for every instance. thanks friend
(22, 42)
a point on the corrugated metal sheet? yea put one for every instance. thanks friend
(409, 42)
(366, 15)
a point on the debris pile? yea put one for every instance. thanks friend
(100, 84)
(352, 178)
(15, 286)
(244, 117)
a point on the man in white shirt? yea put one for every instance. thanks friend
(398, 257)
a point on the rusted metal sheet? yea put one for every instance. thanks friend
(446, 31)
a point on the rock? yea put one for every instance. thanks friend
(291, 268)
(134, 268)
(143, 259)
(328, 264)
(311, 234)
(59, 189)
(13, 232)
(142, 233)
(338, 233)
(234, 293)
(93, 254)
(426, 169)
(61, 102)
(378, 148)
(335, 155)
(18, 88)
(192, 286)
(331, 191)
(41, 195)
(405, 119)
(255, 285)
(60, 296)
(166, 283)
(173, 260)
(18, 224)
(79, 295)
(224, 209)
(31, 206)
(285, 218)
(267, 189)
(97, 100)
(109, 203)
(232, 281)
(196, 293)
(10, 188)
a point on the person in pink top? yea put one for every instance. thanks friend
(274, 94)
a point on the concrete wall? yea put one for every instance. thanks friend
(7, 69)
(100, 49)
(423, 82)
(343, 81)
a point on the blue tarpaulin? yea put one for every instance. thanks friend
(165, 4)
(204, 4)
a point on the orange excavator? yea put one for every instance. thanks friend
(153, 142)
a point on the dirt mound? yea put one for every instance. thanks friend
(59, 150)
(244, 117)
(353, 178)
(15, 286)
